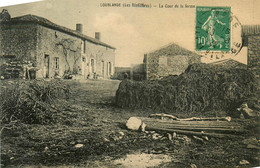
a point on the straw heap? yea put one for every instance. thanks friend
(202, 87)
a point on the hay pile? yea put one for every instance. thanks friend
(31, 102)
(202, 87)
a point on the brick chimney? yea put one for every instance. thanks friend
(79, 28)
(97, 35)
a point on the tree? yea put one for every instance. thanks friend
(68, 46)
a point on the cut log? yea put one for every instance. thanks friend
(218, 135)
(134, 123)
(183, 122)
(216, 130)
(191, 127)
(201, 129)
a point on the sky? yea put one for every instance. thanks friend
(135, 31)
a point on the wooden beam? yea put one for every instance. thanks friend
(191, 127)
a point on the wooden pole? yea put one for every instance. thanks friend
(190, 127)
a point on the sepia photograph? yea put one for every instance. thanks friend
(129, 83)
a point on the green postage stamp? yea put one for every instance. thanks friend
(213, 28)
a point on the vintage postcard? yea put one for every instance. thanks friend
(130, 83)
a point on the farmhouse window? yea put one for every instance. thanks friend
(92, 65)
(102, 68)
(56, 62)
(163, 60)
(109, 68)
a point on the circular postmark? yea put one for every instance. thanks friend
(218, 33)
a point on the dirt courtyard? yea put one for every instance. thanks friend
(94, 135)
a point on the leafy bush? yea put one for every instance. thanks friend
(31, 102)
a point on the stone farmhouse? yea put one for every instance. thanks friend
(52, 49)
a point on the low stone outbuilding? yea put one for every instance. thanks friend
(168, 60)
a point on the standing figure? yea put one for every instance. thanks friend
(125, 75)
(209, 26)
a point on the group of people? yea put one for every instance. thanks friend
(95, 76)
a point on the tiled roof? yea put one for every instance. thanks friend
(230, 63)
(248, 30)
(48, 23)
(173, 49)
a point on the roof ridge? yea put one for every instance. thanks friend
(170, 44)
(226, 60)
(253, 29)
(45, 21)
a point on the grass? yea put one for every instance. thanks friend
(31, 102)
(89, 120)
(94, 121)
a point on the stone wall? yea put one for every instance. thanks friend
(37, 43)
(58, 45)
(254, 53)
(151, 62)
(172, 65)
(168, 60)
(164, 65)
(19, 40)
(103, 58)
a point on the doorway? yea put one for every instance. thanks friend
(103, 68)
(92, 64)
(46, 66)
